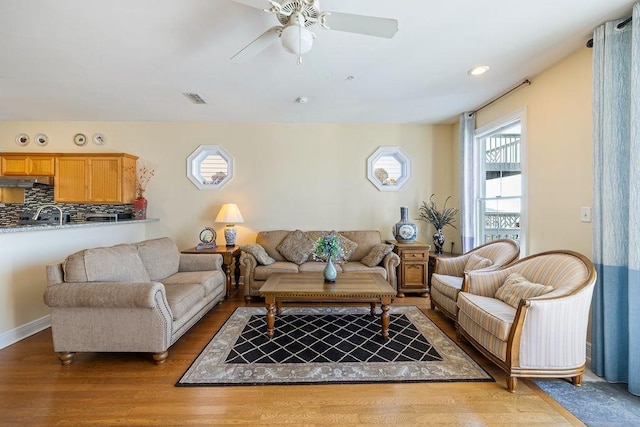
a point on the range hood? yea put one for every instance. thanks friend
(24, 181)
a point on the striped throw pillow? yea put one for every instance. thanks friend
(516, 287)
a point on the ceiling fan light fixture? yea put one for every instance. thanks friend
(478, 70)
(296, 39)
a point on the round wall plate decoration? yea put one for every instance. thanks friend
(22, 139)
(79, 139)
(42, 139)
(99, 139)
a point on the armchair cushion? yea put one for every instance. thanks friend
(296, 247)
(517, 287)
(476, 262)
(376, 254)
(259, 253)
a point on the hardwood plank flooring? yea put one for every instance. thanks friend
(128, 389)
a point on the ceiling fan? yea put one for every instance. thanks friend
(295, 16)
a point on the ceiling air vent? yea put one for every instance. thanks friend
(195, 98)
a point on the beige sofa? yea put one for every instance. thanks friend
(138, 297)
(363, 243)
(530, 318)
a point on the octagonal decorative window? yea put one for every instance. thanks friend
(210, 167)
(389, 168)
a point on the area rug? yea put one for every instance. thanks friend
(596, 403)
(317, 345)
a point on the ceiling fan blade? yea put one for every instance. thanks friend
(258, 4)
(258, 45)
(360, 24)
(318, 61)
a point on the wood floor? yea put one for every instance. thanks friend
(128, 389)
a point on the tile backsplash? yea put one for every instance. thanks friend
(43, 195)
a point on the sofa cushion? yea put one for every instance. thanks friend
(296, 247)
(348, 246)
(209, 280)
(183, 297)
(365, 239)
(476, 262)
(160, 257)
(448, 286)
(262, 272)
(258, 253)
(489, 314)
(376, 254)
(516, 287)
(358, 267)
(119, 263)
(316, 267)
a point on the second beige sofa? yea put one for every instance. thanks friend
(366, 242)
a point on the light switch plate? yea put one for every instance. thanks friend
(585, 214)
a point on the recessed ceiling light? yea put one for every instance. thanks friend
(479, 70)
(302, 100)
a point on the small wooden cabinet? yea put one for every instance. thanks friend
(27, 165)
(414, 267)
(98, 178)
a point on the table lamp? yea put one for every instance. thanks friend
(230, 215)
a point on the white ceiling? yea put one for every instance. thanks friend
(133, 59)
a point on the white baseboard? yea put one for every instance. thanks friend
(21, 332)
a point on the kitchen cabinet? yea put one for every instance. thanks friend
(97, 178)
(30, 164)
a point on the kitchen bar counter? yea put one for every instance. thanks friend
(43, 227)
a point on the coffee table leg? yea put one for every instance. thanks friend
(384, 305)
(373, 308)
(271, 315)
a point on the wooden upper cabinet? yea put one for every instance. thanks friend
(27, 165)
(108, 178)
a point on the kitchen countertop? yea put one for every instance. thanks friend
(42, 227)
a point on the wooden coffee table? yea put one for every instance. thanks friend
(310, 287)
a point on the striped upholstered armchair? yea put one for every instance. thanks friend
(448, 273)
(530, 318)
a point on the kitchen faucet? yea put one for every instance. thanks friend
(37, 214)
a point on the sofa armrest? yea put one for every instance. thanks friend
(390, 262)
(104, 294)
(484, 282)
(200, 262)
(553, 330)
(249, 263)
(451, 266)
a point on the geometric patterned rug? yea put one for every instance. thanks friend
(315, 345)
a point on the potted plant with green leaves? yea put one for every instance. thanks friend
(430, 213)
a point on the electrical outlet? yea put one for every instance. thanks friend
(585, 214)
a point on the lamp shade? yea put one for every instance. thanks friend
(296, 39)
(229, 214)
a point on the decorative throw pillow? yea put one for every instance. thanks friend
(517, 287)
(259, 253)
(296, 247)
(476, 262)
(348, 246)
(376, 254)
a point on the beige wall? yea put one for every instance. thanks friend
(286, 176)
(558, 152)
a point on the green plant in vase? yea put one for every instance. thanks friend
(430, 213)
(328, 248)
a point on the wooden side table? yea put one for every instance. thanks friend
(432, 261)
(230, 256)
(413, 268)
